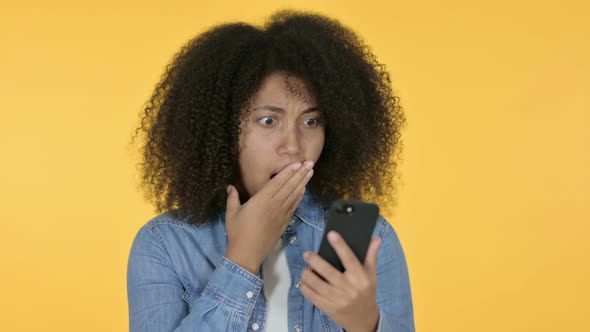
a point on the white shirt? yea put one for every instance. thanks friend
(277, 281)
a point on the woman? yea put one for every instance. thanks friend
(250, 134)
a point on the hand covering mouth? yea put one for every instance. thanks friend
(278, 170)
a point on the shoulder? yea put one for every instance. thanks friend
(174, 244)
(390, 243)
(173, 219)
(384, 229)
(169, 229)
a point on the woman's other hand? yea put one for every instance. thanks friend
(254, 228)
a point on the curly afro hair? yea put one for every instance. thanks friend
(191, 122)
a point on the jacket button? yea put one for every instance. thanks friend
(255, 326)
(297, 328)
(291, 222)
(298, 283)
(249, 294)
(292, 240)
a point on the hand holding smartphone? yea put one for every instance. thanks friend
(354, 221)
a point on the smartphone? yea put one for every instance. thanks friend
(354, 221)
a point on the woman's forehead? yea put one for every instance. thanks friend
(281, 88)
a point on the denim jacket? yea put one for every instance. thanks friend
(178, 278)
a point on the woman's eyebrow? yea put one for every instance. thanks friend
(281, 110)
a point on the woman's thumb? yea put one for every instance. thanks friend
(233, 199)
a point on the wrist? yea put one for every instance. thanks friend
(371, 325)
(376, 324)
(250, 265)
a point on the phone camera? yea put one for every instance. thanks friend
(345, 209)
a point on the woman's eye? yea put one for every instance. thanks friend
(312, 122)
(267, 121)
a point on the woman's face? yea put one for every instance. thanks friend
(283, 127)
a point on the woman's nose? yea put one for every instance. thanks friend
(290, 141)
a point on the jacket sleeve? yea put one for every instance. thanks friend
(394, 296)
(157, 298)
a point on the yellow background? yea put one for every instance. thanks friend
(494, 205)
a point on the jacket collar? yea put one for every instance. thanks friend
(309, 211)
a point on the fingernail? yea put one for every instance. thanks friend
(308, 164)
(309, 173)
(228, 189)
(297, 166)
(332, 235)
